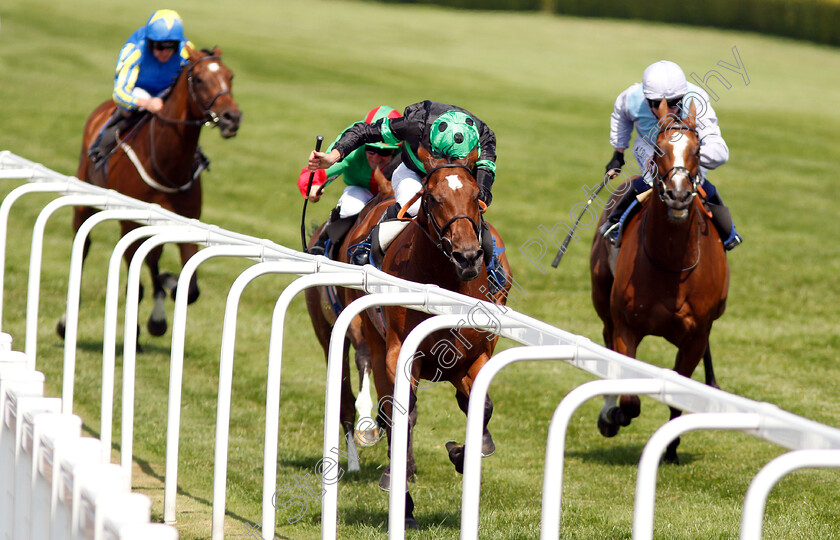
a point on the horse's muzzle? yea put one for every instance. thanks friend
(468, 263)
(678, 202)
(229, 122)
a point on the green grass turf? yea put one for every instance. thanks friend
(546, 85)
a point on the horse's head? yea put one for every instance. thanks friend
(451, 207)
(677, 160)
(210, 83)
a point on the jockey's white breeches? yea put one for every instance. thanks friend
(353, 200)
(406, 184)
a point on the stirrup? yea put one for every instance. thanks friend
(360, 253)
(736, 241)
(609, 231)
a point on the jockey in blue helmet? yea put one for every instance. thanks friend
(148, 64)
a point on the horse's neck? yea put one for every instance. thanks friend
(178, 121)
(669, 240)
(434, 267)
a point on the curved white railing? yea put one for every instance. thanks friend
(813, 444)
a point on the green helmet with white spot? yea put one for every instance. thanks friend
(453, 135)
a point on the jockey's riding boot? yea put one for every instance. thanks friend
(107, 138)
(332, 234)
(360, 255)
(610, 228)
(200, 163)
(722, 219)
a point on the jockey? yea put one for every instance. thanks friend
(445, 131)
(148, 65)
(357, 170)
(635, 107)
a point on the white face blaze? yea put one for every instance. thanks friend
(454, 182)
(679, 161)
(214, 67)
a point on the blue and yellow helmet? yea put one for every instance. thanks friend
(165, 25)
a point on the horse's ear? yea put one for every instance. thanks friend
(429, 162)
(471, 158)
(217, 51)
(662, 110)
(691, 120)
(193, 53)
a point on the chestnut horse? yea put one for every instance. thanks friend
(441, 246)
(153, 162)
(670, 277)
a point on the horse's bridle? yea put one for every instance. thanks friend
(443, 243)
(662, 179)
(208, 116)
(206, 111)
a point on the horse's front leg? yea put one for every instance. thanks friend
(618, 411)
(367, 431)
(169, 281)
(688, 356)
(156, 324)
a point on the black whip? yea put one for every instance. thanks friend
(318, 142)
(562, 250)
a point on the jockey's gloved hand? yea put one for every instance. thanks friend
(484, 195)
(617, 161)
(485, 182)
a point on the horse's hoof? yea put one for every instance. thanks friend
(385, 480)
(366, 438)
(61, 326)
(488, 447)
(456, 455)
(411, 524)
(607, 429)
(630, 408)
(671, 459)
(156, 328)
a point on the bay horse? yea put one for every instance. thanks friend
(670, 278)
(441, 246)
(153, 162)
(324, 305)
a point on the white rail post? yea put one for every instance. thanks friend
(762, 483)
(109, 339)
(179, 234)
(71, 321)
(35, 256)
(332, 400)
(399, 427)
(355, 278)
(226, 377)
(555, 450)
(655, 447)
(5, 208)
(176, 365)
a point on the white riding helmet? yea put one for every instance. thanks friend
(664, 80)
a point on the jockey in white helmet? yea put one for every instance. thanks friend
(634, 108)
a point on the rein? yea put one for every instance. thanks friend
(443, 243)
(207, 117)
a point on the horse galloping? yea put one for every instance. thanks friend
(441, 246)
(670, 277)
(154, 161)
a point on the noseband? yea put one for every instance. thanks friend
(443, 243)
